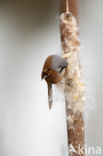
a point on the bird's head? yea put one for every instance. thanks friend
(54, 64)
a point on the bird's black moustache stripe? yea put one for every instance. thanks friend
(61, 69)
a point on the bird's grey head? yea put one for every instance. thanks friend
(58, 63)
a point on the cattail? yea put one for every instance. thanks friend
(74, 87)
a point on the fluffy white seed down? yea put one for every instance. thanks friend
(74, 86)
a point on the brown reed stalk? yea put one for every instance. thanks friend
(73, 7)
(74, 87)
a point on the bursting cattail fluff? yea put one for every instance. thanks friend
(74, 87)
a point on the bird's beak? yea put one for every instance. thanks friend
(43, 76)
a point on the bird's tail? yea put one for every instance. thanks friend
(50, 95)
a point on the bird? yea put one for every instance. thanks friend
(53, 73)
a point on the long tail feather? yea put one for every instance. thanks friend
(50, 95)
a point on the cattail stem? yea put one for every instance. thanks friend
(70, 6)
(74, 87)
(67, 6)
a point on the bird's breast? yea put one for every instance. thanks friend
(54, 77)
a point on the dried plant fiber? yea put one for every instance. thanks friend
(74, 86)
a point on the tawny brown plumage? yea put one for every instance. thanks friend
(53, 72)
